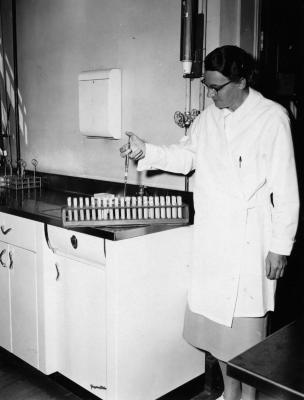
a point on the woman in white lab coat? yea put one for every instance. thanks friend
(246, 209)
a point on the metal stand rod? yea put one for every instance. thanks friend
(187, 111)
(188, 95)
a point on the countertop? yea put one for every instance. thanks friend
(45, 204)
(274, 366)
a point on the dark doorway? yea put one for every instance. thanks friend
(281, 57)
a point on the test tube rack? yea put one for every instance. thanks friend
(20, 183)
(124, 211)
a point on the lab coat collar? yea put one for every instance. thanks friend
(248, 104)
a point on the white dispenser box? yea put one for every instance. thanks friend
(100, 103)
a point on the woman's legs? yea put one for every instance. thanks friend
(248, 392)
(234, 389)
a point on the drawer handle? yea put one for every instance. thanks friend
(5, 231)
(11, 264)
(47, 239)
(74, 241)
(57, 271)
(1, 261)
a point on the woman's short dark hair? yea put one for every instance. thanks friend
(233, 62)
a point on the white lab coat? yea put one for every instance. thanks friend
(240, 159)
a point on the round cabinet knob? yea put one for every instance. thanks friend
(74, 241)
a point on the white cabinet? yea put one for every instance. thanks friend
(119, 318)
(82, 328)
(5, 314)
(79, 315)
(23, 286)
(18, 286)
(106, 314)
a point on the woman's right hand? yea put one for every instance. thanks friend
(135, 148)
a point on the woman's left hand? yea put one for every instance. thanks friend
(275, 265)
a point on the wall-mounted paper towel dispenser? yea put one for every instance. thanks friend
(100, 103)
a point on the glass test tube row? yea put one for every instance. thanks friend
(121, 208)
(16, 182)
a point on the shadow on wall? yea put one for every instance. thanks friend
(7, 97)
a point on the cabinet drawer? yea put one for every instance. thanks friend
(18, 231)
(75, 245)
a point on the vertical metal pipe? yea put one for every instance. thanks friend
(202, 92)
(15, 57)
(188, 95)
(187, 112)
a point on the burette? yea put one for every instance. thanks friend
(192, 53)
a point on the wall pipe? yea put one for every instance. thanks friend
(202, 90)
(187, 112)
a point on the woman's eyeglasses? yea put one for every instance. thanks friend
(215, 89)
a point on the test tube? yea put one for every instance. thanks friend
(99, 210)
(156, 211)
(87, 205)
(105, 208)
(122, 208)
(168, 208)
(128, 204)
(151, 207)
(69, 203)
(75, 204)
(139, 209)
(145, 205)
(174, 208)
(81, 213)
(93, 211)
(111, 211)
(162, 208)
(179, 209)
(116, 205)
(133, 202)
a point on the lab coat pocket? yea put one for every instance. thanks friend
(252, 173)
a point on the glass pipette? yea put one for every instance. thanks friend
(126, 169)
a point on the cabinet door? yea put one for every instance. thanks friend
(82, 330)
(5, 319)
(24, 304)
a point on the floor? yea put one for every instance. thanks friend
(19, 382)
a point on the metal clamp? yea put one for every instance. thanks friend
(5, 231)
(184, 120)
(1, 255)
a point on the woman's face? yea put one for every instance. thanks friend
(224, 93)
